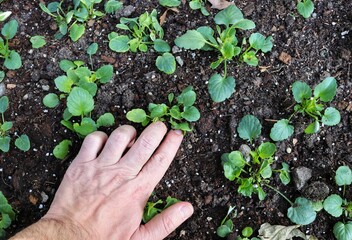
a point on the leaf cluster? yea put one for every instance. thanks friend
(7, 215)
(228, 46)
(78, 87)
(178, 115)
(72, 20)
(152, 209)
(199, 5)
(226, 226)
(337, 206)
(12, 60)
(252, 172)
(310, 103)
(143, 31)
(22, 142)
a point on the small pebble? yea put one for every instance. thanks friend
(288, 150)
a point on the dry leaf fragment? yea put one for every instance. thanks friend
(164, 15)
(220, 4)
(280, 232)
(285, 58)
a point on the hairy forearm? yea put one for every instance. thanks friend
(51, 229)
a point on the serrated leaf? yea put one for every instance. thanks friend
(77, 31)
(64, 84)
(281, 130)
(249, 128)
(51, 100)
(343, 176)
(80, 102)
(221, 88)
(343, 231)
(305, 8)
(86, 127)
(301, 212)
(192, 39)
(326, 90)
(23, 143)
(136, 115)
(331, 116)
(166, 63)
(62, 149)
(106, 120)
(105, 73)
(301, 91)
(333, 205)
(228, 16)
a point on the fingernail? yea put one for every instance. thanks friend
(178, 132)
(186, 211)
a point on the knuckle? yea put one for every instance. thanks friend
(147, 143)
(160, 159)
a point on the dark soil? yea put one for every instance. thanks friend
(318, 47)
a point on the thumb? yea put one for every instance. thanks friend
(164, 223)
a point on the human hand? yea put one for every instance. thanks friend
(104, 191)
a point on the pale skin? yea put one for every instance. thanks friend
(105, 189)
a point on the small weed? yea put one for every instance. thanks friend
(311, 106)
(143, 31)
(228, 46)
(37, 41)
(305, 8)
(7, 215)
(12, 58)
(152, 209)
(199, 5)
(178, 115)
(337, 206)
(226, 225)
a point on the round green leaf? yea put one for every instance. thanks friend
(333, 205)
(281, 130)
(105, 73)
(37, 41)
(250, 58)
(192, 39)
(9, 29)
(256, 40)
(166, 63)
(343, 176)
(66, 65)
(301, 91)
(221, 88)
(331, 116)
(4, 104)
(119, 44)
(136, 115)
(6, 126)
(229, 15)
(266, 150)
(13, 61)
(63, 83)
(106, 120)
(187, 97)
(77, 31)
(51, 100)
(305, 8)
(161, 46)
(191, 114)
(112, 6)
(249, 128)
(235, 158)
(80, 102)
(301, 212)
(23, 143)
(5, 144)
(86, 126)
(314, 127)
(92, 49)
(247, 232)
(326, 90)
(61, 150)
(194, 5)
(343, 231)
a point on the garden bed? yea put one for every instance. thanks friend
(315, 48)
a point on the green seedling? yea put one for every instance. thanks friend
(309, 105)
(78, 87)
(221, 87)
(199, 5)
(91, 50)
(252, 171)
(305, 8)
(4, 15)
(37, 41)
(226, 226)
(143, 31)
(170, 3)
(72, 20)
(22, 142)
(337, 206)
(152, 209)
(178, 115)
(246, 234)
(12, 60)
(7, 215)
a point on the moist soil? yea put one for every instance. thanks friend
(310, 50)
